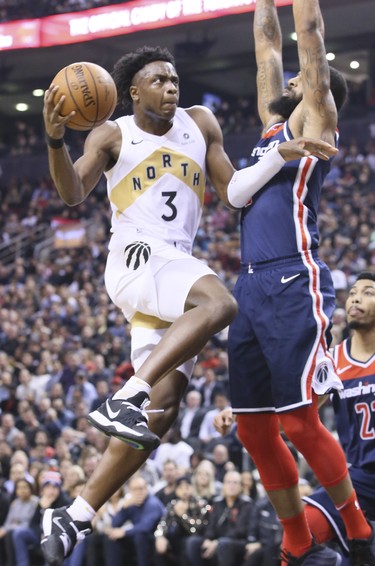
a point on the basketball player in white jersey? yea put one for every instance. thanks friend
(155, 162)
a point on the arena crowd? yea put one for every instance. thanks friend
(64, 348)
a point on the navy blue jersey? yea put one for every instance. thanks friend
(281, 219)
(355, 407)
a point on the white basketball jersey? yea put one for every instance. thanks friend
(157, 185)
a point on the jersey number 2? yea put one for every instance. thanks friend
(367, 431)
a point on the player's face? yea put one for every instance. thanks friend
(294, 88)
(289, 100)
(156, 90)
(360, 304)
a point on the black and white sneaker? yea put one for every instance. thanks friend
(127, 420)
(61, 534)
(362, 551)
(317, 555)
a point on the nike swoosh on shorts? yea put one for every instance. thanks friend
(287, 279)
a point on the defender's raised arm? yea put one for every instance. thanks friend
(319, 114)
(268, 45)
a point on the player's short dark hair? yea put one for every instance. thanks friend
(339, 87)
(366, 275)
(129, 65)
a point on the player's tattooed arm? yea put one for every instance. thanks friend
(268, 45)
(319, 111)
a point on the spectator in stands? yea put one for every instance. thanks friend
(190, 418)
(225, 535)
(86, 390)
(19, 464)
(172, 443)
(4, 508)
(249, 485)
(264, 536)
(210, 386)
(26, 538)
(208, 435)
(95, 544)
(205, 485)
(169, 479)
(20, 512)
(102, 393)
(72, 477)
(221, 460)
(133, 526)
(184, 516)
(10, 431)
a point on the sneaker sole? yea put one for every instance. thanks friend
(51, 553)
(110, 430)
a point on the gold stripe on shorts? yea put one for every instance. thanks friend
(146, 321)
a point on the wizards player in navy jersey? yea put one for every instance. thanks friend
(278, 343)
(354, 409)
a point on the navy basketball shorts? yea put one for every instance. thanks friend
(363, 483)
(277, 344)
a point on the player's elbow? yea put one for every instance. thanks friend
(71, 200)
(307, 29)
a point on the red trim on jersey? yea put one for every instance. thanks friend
(273, 131)
(301, 187)
(348, 368)
(313, 270)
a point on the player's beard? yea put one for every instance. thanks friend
(283, 106)
(361, 325)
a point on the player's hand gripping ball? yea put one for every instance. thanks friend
(89, 90)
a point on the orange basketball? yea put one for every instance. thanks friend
(89, 90)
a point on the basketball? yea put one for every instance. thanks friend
(89, 90)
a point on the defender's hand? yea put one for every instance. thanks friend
(223, 421)
(304, 147)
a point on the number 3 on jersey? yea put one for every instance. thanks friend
(170, 195)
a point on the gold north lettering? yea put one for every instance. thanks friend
(166, 160)
(151, 172)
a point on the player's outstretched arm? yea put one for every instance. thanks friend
(73, 181)
(268, 46)
(246, 182)
(319, 110)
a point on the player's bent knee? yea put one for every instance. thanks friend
(223, 310)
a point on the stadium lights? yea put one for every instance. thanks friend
(21, 107)
(330, 56)
(38, 92)
(354, 64)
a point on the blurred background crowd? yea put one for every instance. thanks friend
(64, 348)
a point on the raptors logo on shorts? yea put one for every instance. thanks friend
(136, 255)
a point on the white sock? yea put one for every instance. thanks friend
(133, 386)
(80, 510)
